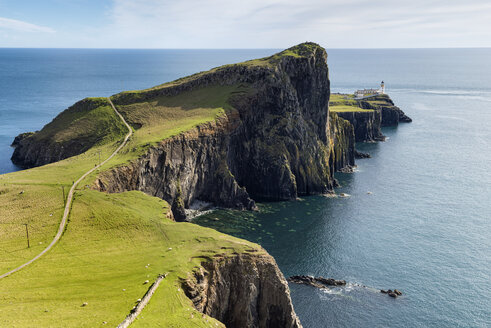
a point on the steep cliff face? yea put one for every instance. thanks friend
(191, 166)
(390, 114)
(343, 141)
(366, 124)
(247, 290)
(273, 145)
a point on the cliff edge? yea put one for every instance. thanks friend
(271, 143)
(245, 290)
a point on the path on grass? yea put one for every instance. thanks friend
(70, 197)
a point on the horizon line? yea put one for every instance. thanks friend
(333, 48)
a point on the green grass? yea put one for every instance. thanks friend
(344, 103)
(41, 203)
(89, 122)
(108, 243)
(163, 117)
(344, 108)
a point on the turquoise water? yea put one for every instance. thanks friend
(425, 228)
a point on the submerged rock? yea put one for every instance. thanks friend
(359, 154)
(392, 293)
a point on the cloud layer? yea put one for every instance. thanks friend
(267, 24)
(17, 25)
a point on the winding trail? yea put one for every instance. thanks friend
(70, 197)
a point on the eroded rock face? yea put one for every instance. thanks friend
(190, 166)
(245, 290)
(391, 115)
(343, 139)
(366, 124)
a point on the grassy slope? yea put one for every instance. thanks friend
(102, 260)
(90, 122)
(159, 118)
(344, 103)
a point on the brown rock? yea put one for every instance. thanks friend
(246, 290)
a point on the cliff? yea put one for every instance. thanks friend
(272, 143)
(343, 143)
(391, 115)
(246, 290)
(366, 124)
(368, 115)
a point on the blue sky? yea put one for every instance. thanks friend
(244, 23)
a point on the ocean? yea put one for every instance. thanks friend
(419, 215)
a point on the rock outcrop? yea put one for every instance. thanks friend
(21, 137)
(366, 124)
(319, 282)
(245, 290)
(391, 115)
(191, 166)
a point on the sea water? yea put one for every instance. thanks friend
(419, 213)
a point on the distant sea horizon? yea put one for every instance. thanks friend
(425, 226)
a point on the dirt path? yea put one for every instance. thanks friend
(70, 197)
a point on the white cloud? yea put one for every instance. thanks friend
(268, 24)
(17, 25)
(280, 23)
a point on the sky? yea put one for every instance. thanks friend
(244, 23)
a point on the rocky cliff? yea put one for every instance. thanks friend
(366, 124)
(275, 141)
(390, 114)
(368, 115)
(246, 290)
(274, 144)
(343, 143)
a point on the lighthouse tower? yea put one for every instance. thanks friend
(382, 87)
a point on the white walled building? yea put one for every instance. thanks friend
(370, 92)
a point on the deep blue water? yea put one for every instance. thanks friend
(425, 228)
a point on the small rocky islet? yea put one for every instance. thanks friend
(323, 283)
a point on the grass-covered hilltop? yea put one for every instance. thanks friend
(227, 137)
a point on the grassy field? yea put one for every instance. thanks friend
(113, 243)
(344, 103)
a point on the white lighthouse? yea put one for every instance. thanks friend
(382, 87)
